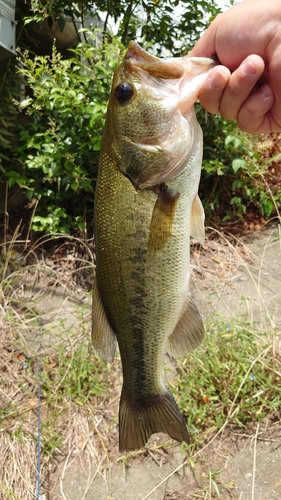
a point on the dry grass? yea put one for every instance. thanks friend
(18, 464)
(67, 430)
(26, 277)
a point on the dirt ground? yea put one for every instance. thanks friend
(234, 278)
(246, 278)
(228, 469)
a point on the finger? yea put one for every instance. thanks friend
(206, 45)
(240, 85)
(254, 116)
(212, 89)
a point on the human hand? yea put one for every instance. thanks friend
(247, 41)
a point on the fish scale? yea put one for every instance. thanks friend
(142, 234)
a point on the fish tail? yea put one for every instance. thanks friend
(138, 421)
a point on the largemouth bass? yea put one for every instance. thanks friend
(146, 208)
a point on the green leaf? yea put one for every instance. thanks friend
(45, 77)
(237, 184)
(236, 142)
(50, 22)
(96, 145)
(237, 164)
(6, 132)
(25, 102)
(61, 24)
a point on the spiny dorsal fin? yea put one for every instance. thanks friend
(161, 225)
(197, 229)
(188, 333)
(103, 337)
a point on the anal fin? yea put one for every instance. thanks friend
(103, 337)
(188, 333)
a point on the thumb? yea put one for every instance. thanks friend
(205, 46)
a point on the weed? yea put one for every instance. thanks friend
(231, 375)
(213, 484)
(75, 374)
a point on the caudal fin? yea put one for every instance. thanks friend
(137, 422)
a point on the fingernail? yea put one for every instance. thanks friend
(217, 80)
(248, 68)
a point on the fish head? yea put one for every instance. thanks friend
(151, 116)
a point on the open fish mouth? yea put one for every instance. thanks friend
(186, 74)
(137, 57)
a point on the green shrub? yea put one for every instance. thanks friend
(56, 158)
(232, 172)
(50, 150)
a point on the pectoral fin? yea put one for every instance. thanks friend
(197, 229)
(103, 337)
(188, 333)
(162, 219)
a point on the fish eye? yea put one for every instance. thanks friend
(124, 92)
